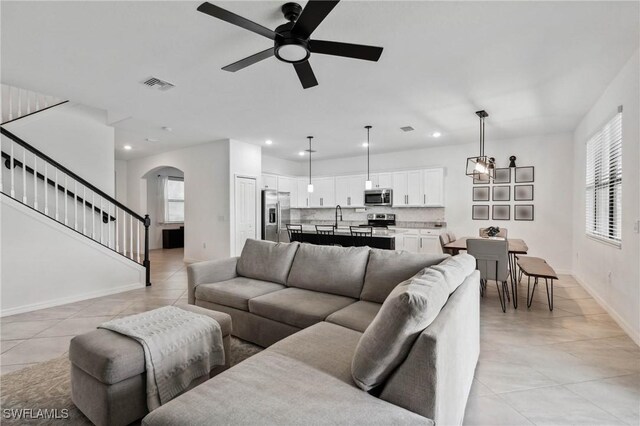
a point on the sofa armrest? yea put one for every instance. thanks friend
(211, 271)
(435, 379)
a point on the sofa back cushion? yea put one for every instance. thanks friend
(408, 310)
(329, 269)
(266, 260)
(456, 269)
(387, 268)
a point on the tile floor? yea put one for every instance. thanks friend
(570, 366)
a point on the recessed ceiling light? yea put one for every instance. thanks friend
(436, 134)
(365, 144)
(128, 147)
(268, 141)
(152, 140)
(301, 153)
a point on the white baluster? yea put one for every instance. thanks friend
(46, 188)
(115, 226)
(35, 182)
(75, 204)
(124, 233)
(28, 93)
(19, 102)
(131, 237)
(109, 225)
(37, 102)
(84, 210)
(93, 215)
(66, 203)
(24, 175)
(138, 239)
(101, 227)
(10, 103)
(13, 178)
(56, 193)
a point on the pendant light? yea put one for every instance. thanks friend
(310, 186)
(368, 184)
(481, 167)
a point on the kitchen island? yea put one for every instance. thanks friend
(381, 238)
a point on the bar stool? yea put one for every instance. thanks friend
(326, 235)
(361, 235)
(295, 232)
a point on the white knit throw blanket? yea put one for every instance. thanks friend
(179, 346)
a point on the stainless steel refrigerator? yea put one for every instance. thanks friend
(276, 213)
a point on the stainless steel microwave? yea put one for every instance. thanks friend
(378, 197)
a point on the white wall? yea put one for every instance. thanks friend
(244, 160)
(75, 136)
(549, 236)
(612, 274)
(45, 264)
(121, 181)
(206, 182)
(282, 167)
(154, 198)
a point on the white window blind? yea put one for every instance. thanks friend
(174, 207)
(604, 182)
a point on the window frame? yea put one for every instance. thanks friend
(612, 184)
(168, 200)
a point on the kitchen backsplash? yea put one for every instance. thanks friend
(404, 214)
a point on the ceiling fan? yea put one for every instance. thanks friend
(292, 43)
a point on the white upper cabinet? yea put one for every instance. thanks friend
(350, 190)
(400, 189)
(269, 181)
(285, 184)
(433, 187)
(385, 180)
(303, 195)
(323, 194)
(407, 188)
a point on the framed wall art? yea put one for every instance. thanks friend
(524, 174)
(501, 212)
(481, 193)
(523, 212)
(502, 176)
(501, 193)
(480, 212)
(523, 193)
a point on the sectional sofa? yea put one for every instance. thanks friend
(353, 335)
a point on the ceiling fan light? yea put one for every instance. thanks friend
(292, 53)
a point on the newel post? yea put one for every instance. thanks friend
(147, 263)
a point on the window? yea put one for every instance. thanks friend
(174, 200)
(604, 182)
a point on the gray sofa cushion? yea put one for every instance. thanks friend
(408, 310)
(328, 269)
(235, 292)
(111, 357)
(387, 268)
(267, 261)
(356, 316)
(297, 307)
(456, 269)
(273, 389)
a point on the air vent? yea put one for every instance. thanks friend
(156, 83)
(407, 129)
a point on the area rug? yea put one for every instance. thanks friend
(47, 386)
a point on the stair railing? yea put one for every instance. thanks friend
(34, 179)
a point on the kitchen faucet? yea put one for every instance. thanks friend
(338, 208)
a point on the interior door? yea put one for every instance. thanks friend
(245, 211)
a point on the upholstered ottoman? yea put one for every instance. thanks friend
(108, 382)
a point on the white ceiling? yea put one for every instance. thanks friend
(536, 67)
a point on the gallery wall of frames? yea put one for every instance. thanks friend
(509, 196)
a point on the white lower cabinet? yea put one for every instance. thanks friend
(419, 241)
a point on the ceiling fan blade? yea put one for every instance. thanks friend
(250, 60)
(305, 74)
(312, 15)
(232, 18)
(348, 50)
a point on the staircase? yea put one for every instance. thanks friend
(39, 182)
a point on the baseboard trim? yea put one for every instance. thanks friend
(634, 335)
(69, 299)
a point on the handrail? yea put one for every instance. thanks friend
(17, 163)
(69, 173)
(34, 112)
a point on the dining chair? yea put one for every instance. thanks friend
(452, 236)
(326, 234)
(502, 233)
(492, 260)
(295, 232)
(444, 240)
(362, 235)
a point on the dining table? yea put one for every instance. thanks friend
(516, 247)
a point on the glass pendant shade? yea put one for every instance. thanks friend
(310, 187)
(368, 185)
